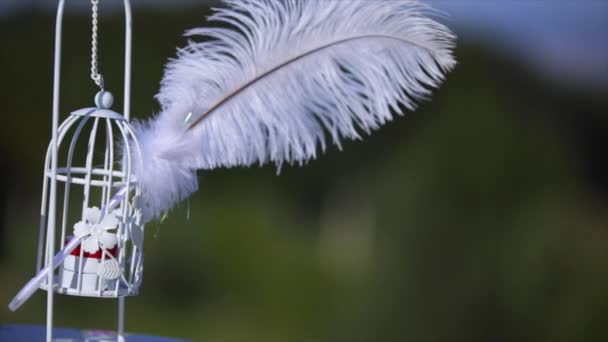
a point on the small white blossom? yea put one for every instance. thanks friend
(94, 231)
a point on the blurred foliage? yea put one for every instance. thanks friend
(480, 217)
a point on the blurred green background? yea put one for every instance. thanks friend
(482, 216)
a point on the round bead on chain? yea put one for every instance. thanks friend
(104, 99)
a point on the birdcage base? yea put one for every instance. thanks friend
(122, 291)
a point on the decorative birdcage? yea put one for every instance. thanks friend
(91, 230)
(96, 205)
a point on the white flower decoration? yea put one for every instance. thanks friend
(94, 233)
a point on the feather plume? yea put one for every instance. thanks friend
(284, 76)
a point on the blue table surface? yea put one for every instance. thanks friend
(35, 333)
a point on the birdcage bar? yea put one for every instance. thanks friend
(94, 182)
(137, 255)
(63, 129)
(67, 182)
(106, 156)
(52, 172)
(66, 197)
(89, 166)
(45, 183)
(124, 207)
(108, 164)
(99, 279)
(80, 267)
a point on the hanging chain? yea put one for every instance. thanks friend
(95, 75)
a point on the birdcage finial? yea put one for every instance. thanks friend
(104, 99)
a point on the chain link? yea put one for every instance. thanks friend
(95, 75)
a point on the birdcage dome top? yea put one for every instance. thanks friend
(96, 145)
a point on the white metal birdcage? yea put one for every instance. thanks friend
(95, 202)
(91, 230)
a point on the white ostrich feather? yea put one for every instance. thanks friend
(286, 75)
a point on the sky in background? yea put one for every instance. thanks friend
(567, 39)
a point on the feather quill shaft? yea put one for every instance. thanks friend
(191, 121)
(285, 75)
